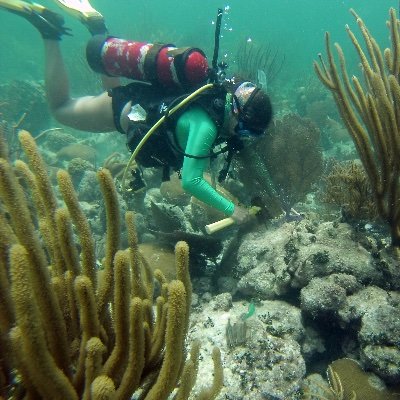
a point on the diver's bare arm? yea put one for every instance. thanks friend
(90, 113)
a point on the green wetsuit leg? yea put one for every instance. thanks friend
(196, 133)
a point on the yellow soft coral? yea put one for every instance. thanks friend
(68, 330)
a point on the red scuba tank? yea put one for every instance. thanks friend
(162, 64)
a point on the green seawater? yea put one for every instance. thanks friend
(294, 27)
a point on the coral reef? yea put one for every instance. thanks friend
(77, 168)
(333, 292)
(293, 157)
(347, 186)
(281, 170)
(347, 380)
(57, 139)
(69, 330)
(370, 113)
(312, 101)
(77, 150)
(268, 365)
(115, 164)
(159, 257)
(379, 337)
(9, 132)
(173, 193)
(25, 101)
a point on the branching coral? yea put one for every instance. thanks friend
(115, 164)
(371, 113)
(70, 331)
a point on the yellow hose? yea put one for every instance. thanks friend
(156, 126)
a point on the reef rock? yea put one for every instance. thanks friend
(380, 341)
(272, 262)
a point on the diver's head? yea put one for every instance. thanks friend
(253, 109)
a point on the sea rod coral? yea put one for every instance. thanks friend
(70, 331)
(371, 113)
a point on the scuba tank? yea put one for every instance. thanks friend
(160, 64)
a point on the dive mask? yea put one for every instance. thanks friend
(242, 98)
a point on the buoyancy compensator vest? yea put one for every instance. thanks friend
(147, 107)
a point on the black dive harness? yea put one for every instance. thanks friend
(162, 148)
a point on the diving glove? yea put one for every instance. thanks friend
(47, 22)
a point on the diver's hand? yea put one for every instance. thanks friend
(241, 215)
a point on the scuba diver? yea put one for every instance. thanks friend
(185, 129)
